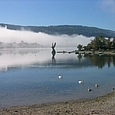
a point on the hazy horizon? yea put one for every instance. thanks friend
(10, 36)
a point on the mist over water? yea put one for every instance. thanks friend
(10, 36)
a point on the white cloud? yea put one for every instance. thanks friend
(10, 36)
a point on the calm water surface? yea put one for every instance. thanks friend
(30, 76)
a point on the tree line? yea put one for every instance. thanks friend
(99, 43)
(63, 29)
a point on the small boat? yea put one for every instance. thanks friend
(100, 53)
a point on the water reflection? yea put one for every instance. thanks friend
(14, 58)
(101, 61)
(10, 58)
(46, 79)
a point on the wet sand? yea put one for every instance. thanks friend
(103, 105)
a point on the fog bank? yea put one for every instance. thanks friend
(10, 36)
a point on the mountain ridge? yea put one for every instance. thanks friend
(64, 29)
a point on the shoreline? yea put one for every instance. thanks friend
(102, 105)
(89, 52)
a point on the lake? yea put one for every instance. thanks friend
(30, 76)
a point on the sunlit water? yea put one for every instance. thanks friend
(30, 76)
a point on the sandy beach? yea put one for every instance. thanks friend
(103, 105)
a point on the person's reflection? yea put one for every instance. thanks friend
(53, 59)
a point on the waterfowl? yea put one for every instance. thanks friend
(96, 85)
(81, 81)
(89, 89)
(60, 77)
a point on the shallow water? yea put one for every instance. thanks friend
(30, 76)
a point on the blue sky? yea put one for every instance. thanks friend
(93, 13)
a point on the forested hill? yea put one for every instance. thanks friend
(64, 29)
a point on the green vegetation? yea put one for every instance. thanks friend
(99, 43)
(79, 47)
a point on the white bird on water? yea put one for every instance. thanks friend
(96, 85)
(81, 81)
(60, 77)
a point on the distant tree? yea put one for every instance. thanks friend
(113, 43)
(108, 43)
(79, 47)
(98, 43)
(95, 43)
(89, 46)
